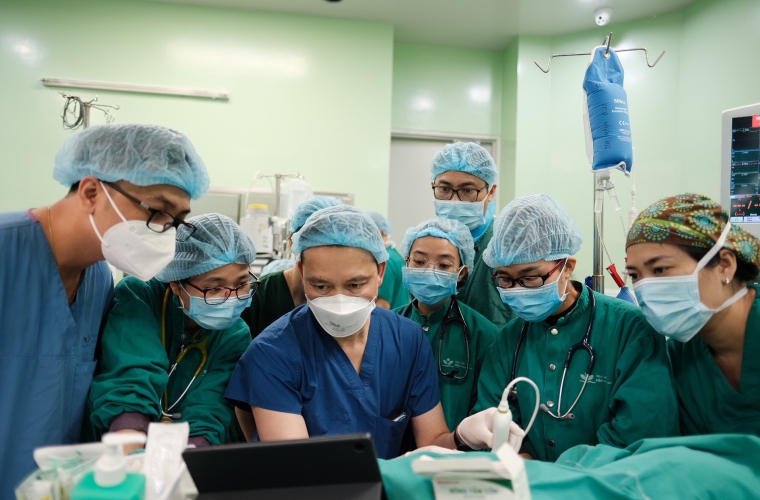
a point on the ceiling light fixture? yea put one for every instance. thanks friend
(602, 16)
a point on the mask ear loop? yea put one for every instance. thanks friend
(714, 250)
(110, 200)
(112, 203)
(564, 292)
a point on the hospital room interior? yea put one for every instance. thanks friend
(402, 249)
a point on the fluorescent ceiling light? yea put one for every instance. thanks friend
(142, 89)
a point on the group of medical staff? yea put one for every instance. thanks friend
(468, 302)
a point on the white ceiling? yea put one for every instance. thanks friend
(479, 24)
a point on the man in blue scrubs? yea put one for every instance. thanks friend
(339, 364)
(129, 188)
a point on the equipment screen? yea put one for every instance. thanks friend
(745, 169)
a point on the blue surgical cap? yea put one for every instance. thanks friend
(216, 242)
(276, 266)
(466, 157)
(532, 228)
(342, 225)
(141, 154)
(454, 231)
(380, 221)
(308, 207)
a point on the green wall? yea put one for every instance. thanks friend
(675, 110)
(447, 89)
(321, 95)
(307, 94)
(507, 156)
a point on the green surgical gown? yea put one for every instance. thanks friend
(479, 291)
(392, 288)
(629, 395)
(706, 402)
(133, 370)
(271, 302)
(457, 396)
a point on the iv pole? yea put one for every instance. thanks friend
(601, 179)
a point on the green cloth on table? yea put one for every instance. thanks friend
(392, 289)
(707, 403)
(133, 369)
(457, 396)
(271, 302)
(716, 466)
(479, 291)
(630, 394)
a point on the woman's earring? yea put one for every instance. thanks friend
(727, 281)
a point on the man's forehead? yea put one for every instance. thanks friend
(337, 255)
(457, 177)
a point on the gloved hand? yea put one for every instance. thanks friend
(516, 435)
(476, 431)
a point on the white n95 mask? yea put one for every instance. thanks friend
(341, 315)
(132, 247)
(672, 304)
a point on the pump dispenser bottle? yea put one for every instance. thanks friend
(110, 480)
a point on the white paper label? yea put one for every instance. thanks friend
(470, 489)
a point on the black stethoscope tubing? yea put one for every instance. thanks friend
(583, 344)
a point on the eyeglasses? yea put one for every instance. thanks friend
(464, 194)
(158, 221)
(440, 265)
(220, 294)
(525, 281)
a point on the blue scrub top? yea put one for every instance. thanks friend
(294, 366)
(47, 357)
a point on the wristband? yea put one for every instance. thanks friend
(461, 446)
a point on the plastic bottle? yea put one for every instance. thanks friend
(502, 421)
(110, 480)
(256, 226)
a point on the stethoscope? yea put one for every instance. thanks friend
(201, 346)
(583, 344)
(447, 320)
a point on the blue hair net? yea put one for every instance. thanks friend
(341, 225)
(380, 221)
(216, 242)
(465, 157)
(141, 154)
(532, 228)
(308, 207)
(277, 265)
(454, 231)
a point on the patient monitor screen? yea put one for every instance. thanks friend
(745, 169)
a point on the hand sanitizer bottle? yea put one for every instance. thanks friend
(109, 480)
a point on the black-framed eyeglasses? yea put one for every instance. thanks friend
(158, 221)
(440, 265)
(464, 194)
(220, 294)
(525, 281)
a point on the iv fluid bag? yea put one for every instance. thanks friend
(605, 114)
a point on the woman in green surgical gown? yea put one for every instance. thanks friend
(170, 344)
(439, 253)
(694, 276)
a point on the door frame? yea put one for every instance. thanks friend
(398, 133)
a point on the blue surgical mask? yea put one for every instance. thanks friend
(469, 213)
(672, 305)
(534, 304)
(430, 286)
(217, 316)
